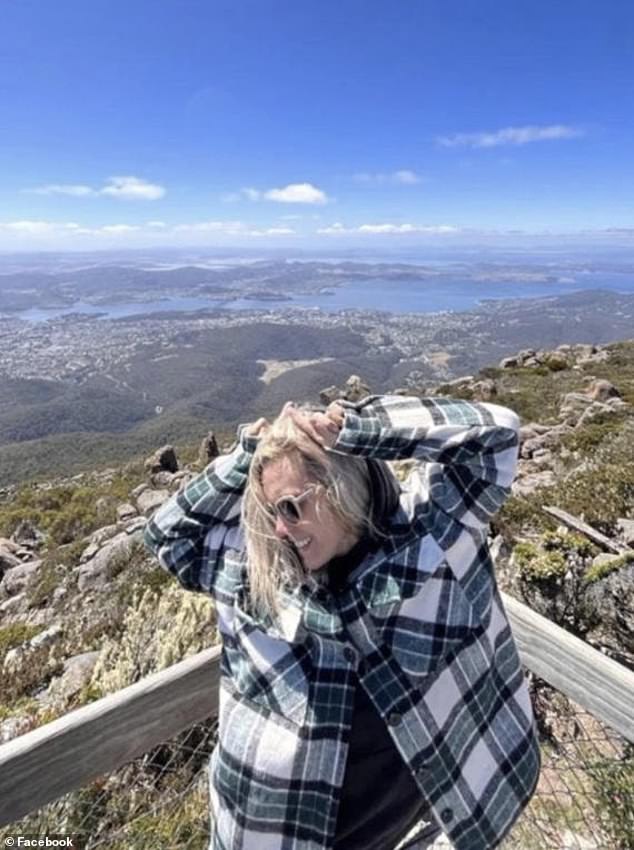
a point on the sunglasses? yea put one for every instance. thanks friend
(290, 507)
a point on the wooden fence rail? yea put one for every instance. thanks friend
(44, 764)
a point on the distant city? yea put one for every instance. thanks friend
(150, 351)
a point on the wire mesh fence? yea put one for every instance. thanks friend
(584, 800)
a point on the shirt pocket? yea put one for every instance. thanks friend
(426, 630)
(268, 670)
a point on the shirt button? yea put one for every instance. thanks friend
(394, 719)
(446, 815)
(422, 769)
(350, 655)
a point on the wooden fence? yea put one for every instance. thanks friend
(70, 752)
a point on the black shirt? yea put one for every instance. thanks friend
(380, 802)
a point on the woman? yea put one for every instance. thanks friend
(369, 676)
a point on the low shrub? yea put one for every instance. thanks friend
(535, 564)
(599, 571)
(614, 789)
(15, 635)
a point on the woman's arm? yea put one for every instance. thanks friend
(469, 449)
(190, 533)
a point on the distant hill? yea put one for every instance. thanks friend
(79, 393)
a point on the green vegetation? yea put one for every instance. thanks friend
(178, 824)
(535, 563)
(600, 493)
(614, 792)
(57, 429)
(67, 512)
(600, 490)
(593, 434)
(30, 675)
(152, 579)
(15, 635)
(596, 573)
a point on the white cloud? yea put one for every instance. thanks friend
(231, 227)
(403, 177)
(124, 188)
(29, 227)
(388, 228)
(117, 228)
(297, 193)
(293, 193)
(132, 188)
(36, 233)
(406, 177)
(510, 136)
(74, 190)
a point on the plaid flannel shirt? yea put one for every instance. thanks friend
(420, 626)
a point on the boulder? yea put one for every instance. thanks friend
(527, 432)
(582, 349)
(599, 357)
(527, 484)
(355, 389)
(13, 658)
(137, 523)
(485, 390)
(509, 363)
(18, 578)
(8, 560)
(162, 459)
(77, 674)
(543, 458)
(141, 488)
(161, 479)
(98, 571)
(126, 511)
(546, 440)
(150, 500)
(208, 450)
(180, 479)
(602, 390)
(13, 605)
(556, 361)
(612, 603)
(526, 354)
(46, 638)
(96, 541)
(572, 406)
(329, 394)
(28, 534)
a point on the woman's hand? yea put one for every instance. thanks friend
(323, 428)
(257, 428)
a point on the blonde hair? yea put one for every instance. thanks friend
(274, 564)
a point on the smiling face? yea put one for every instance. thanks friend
(319, 535)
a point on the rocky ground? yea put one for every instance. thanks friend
(84, 610)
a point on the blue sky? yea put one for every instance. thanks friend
(306, 122)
